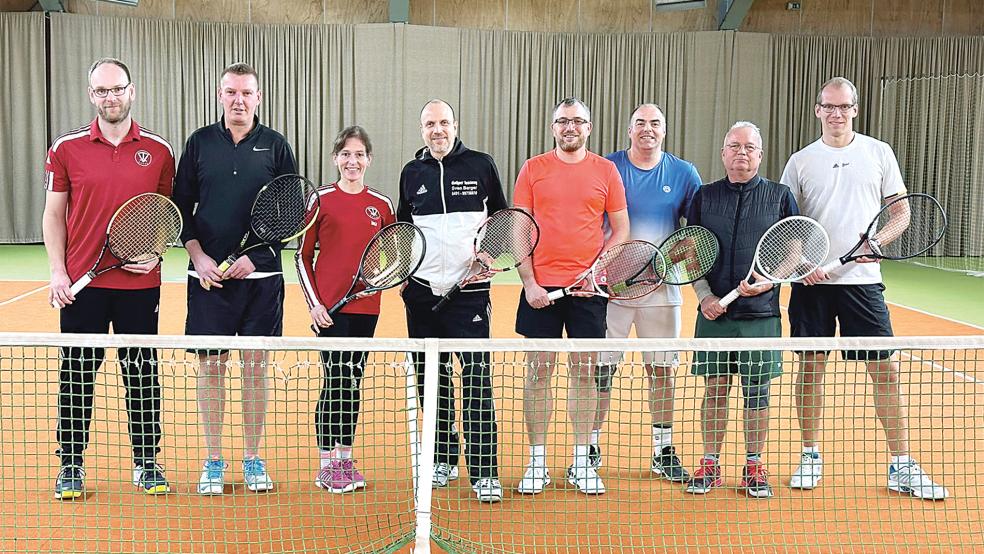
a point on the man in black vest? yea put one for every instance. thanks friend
(738, 210)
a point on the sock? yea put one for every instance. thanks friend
(813, 451)
(596, 437)
(538, 455)
(898, 461)
(326, 457)
(712, 457)
(753, 457)
(662, 437)
(581, 455)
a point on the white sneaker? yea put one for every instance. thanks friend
(256, 476)
(453, 474)
(807, 476)
(442, 474)
(911, 479)
(213, 477)
(533, 481)
(488, 489)
(586, 480)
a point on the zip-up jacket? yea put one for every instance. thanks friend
(216, 183)
(739, 214)
(448, 199)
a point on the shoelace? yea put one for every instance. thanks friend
(254, 467)
(214, 469)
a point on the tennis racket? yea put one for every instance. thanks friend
(790, 250)
(502, 242)
(904, 228)
(689, 253)
(283, 209)
(140, 230)
(625, 271)
(391, 257)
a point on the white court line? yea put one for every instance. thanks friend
(21, 296)
(945, 369)
(951, 320)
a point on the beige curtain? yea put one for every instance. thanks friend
(317, 79)
(23, 126)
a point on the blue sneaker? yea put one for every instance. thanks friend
(70, 484)
(212, 480)
(257, 478)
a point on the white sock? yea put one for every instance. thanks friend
(326, 457)
(596, 437)
(581, 455)
(813, 451)
(344, 453)
(538, 455)
(662, 436)
(901, 460)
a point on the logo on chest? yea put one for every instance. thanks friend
(666, 189)
(374, 216)
(143, 158)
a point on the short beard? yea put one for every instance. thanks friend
(568, 147)
(124, 113)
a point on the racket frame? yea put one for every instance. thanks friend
(704, 271)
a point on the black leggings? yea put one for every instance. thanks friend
(337, 412)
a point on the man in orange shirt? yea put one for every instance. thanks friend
(569, 190)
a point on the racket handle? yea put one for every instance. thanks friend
(338, 306)
(81, 283)
(728, 298)
(224, 266)
(556, 294)
(446, 298)
(827, 268)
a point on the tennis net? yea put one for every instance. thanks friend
(851, 509)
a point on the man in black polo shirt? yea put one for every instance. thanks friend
(448, 190)
(222, 168)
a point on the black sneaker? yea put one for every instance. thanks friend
(70, 484)
(667, 465)
(150, 478)
(594, 455)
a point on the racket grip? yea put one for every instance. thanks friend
(224, 266)
(556, 294)
(728, 298)
(81, 283)
(446, 298)
(827, 268)
(338, 306)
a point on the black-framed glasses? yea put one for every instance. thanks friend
(564, 121)
(830, 108)
(104, 92)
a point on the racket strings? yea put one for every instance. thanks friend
(284, 208)
(630, 270)
(690, 253)
(792, 248)
(392, 255)
(144, 227)
(909, 226)
(508, 238)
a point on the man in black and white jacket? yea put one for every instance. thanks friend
(448, 190)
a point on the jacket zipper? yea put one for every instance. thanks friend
(444, 220)
(734, 232)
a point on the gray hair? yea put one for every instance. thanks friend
(112, 61)
(572, 101)
(743, 125)
(839, 82)
(643, 105)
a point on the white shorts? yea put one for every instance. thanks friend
(650, 322)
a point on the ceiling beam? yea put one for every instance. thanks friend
(731, 13)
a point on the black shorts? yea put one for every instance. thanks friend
(246, 307)
(133, 312)
(860, 310)
(582, 317)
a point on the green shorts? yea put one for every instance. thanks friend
(756, 364)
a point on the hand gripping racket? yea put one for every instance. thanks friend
(904, 228)
(502, 242)
(140, 230)
(690, 253)
(283, 209)
(390, 258)
(790, 250)
(625, 271)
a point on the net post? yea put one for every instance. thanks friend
(425, 471)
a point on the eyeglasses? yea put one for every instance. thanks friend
(564, 122)
(104, 92)
(736, 147)
(842, 108)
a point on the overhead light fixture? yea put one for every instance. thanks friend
(673, 5)
(131, 3)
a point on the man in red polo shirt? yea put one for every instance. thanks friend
(89, 173)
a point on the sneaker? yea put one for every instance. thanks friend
(586, 480)
(911, 479)
(533, 481)
(755, 480)
(256, 476)
(707, 477)
(70, 483)
(212, 480)
(488, 489)
(358, 479)
(594, 455)
(442, 475)
(150, 478)
(807, 476)
(334, 478)
(667, 464)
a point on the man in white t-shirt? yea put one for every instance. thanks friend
(842, 181)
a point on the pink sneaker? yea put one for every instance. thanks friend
(340, 476)
(356, 477)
